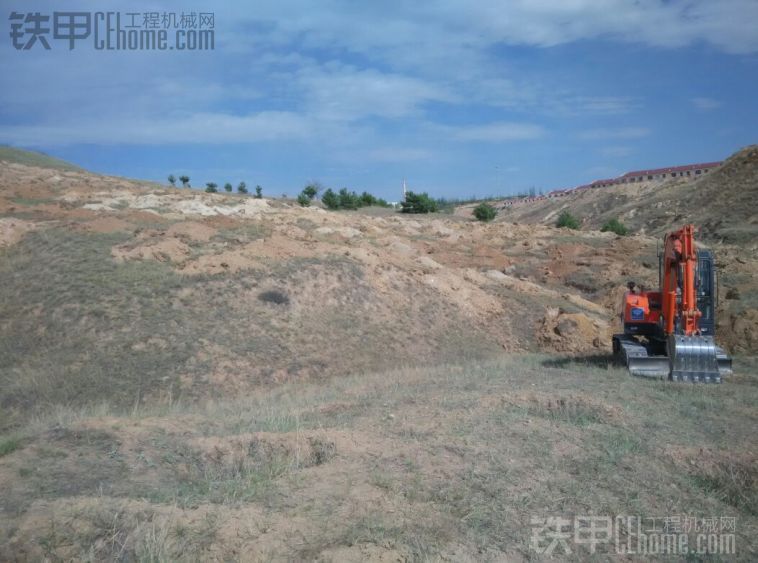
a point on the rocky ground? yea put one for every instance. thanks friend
(146, 302)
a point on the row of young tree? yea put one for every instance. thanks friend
(342, 199)
(212, 187)
(349, 199)
(413, 202)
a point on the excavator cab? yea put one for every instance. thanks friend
(707, 292)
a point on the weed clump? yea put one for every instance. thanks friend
(615, 226)
(568, 221)
(485, 212)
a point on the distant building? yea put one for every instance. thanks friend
(688, 171)
(658, 174)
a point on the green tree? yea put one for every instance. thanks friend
(348, 199)
(330, 199)
(211, 187)
(185, 181)
(311, 190)
(258, 192)
(485, 212)
(228, 187)
(615, 226)
(172, 179)
(567, 220)
(418, 203)
(242, 188)
(303, 199)
(367, 200)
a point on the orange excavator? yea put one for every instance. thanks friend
(669, 333)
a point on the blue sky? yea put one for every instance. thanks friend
(460, 98)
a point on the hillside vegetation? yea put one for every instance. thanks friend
(186, 375)
(445, 463)
(32, 158)
(720, 202)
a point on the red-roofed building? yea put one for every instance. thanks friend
(688, 170)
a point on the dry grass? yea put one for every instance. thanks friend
(447, 462)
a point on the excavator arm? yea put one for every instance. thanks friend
(680, 312)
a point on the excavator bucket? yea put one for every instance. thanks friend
(694, 358)
(691, 358)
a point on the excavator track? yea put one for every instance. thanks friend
(692, 358)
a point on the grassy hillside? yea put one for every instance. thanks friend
(721, 203)
(191, 376)
(446, 463)
(33, 158)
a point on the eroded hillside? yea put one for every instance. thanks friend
(118, 291)
(186, 375)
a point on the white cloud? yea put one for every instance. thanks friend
(705, 104)
(307, 70)
(429, 33)
(343, 92)
(615, 133)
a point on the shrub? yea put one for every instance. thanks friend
(485, 212)
(185, 181)
(567, 220)
(242, 188)
(258, 192)
(330, 199)
(418, 203)
(172, 179)
(348, 199)
(615, 226)
(228, 187)
(367, 200)
(311, 190)
(211, 187)
(303, 199)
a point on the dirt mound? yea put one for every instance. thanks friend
(741, 334)
(560, 331)
(191, 230)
